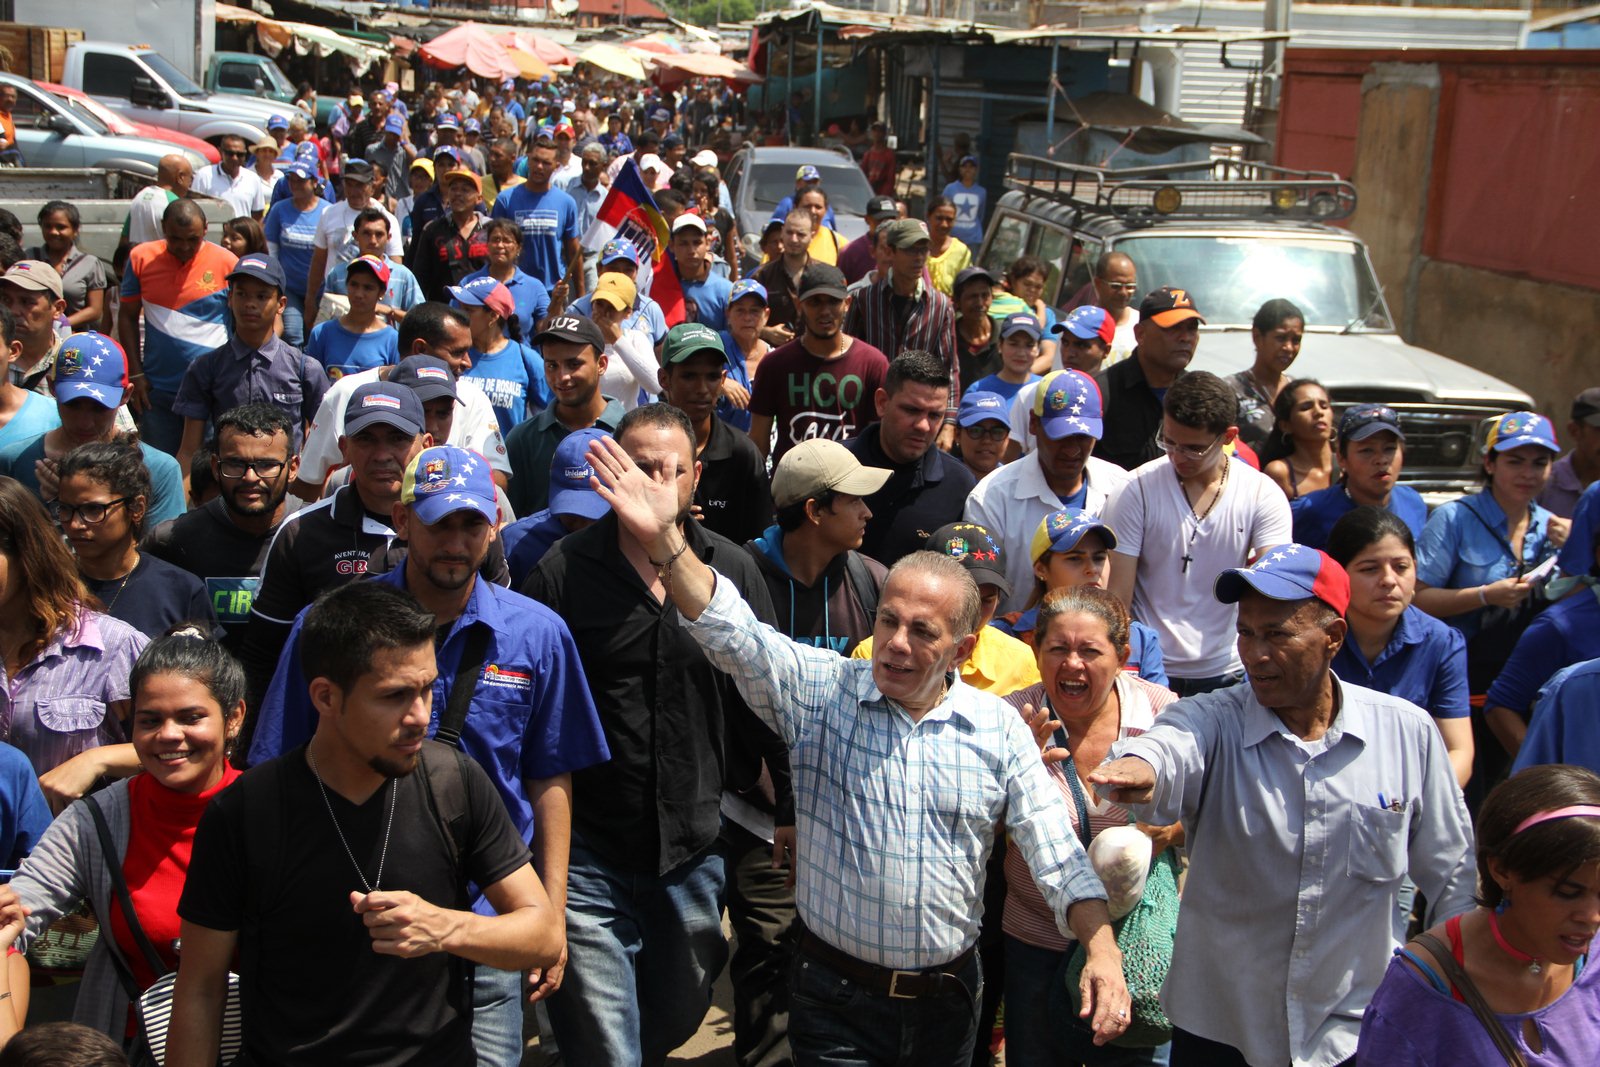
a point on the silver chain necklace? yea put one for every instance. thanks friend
(376, 882)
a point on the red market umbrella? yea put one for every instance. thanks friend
(470, 45)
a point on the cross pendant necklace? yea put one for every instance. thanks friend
(1188, 549)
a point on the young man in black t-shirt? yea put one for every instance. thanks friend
(352, 940)
(224, 541)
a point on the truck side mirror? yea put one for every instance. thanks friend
(260, 86)
(146, 93)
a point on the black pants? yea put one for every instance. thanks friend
(761, 912)
(991, 950)
(1192, 1050)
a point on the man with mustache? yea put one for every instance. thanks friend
(511, 693)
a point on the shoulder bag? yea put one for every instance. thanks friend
(154, 1005)
(1145, 935)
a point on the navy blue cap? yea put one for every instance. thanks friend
(261, 267)
(386, 403)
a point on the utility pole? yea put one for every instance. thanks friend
(1275, 19)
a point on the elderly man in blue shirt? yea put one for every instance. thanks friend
(901, 772)
(1306, 801)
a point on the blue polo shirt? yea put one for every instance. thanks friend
(1567, 632)
(1315, 513)
(531, 715)
(1566, 721)
(527, 293)
(1424, 662)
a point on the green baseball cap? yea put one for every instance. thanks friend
(905, 233)
(685, 340)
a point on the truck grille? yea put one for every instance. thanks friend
(1443, 441)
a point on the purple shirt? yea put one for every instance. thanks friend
(1561, 493)
(56, 706)
(1411, 1024)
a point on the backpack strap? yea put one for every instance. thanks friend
(860, 578)
(473, 654)
(108, 852)
(444, 777)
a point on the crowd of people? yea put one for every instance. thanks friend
(858, 595)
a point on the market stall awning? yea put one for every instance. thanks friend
(552, 52)
(628, 62)
(671, 71)
(470, 45)
(274, 35)
(529, 65)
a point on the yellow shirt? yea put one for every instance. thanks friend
(943, 269)
(999, 664)
(824, 248)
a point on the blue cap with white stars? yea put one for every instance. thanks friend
(1068, 404)
(446, 479)
(1062, 529)
(91, 365)
(1289, 572)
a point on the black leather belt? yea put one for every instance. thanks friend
(886, 981)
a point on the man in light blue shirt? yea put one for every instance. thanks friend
(1306, 801)
(1563, 726)
(901, 772)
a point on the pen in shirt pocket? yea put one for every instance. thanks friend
(1396, 805)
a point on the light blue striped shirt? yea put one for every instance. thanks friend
(1297, 850)
(896, 818)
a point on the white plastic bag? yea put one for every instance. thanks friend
(1121, 857)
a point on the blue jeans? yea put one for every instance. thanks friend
(642, 952)
(294, 320)
(1193, 687)
(159, 427)
(834, 1022)
(1042, 1030)
(497, 1016)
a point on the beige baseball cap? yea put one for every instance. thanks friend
(817, 466)
(34, 274)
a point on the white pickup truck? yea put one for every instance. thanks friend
(142, 84)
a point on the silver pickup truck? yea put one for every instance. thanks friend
(101, 197)
(1236, 235)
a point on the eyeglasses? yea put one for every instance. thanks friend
(265, 469)
(1172, 448)
(235, 155)
(91, 514)
(987, 431)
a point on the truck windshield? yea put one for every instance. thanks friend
(281, 89)
(172, 75)
(1231, 275)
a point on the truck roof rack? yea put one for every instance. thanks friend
(1213, 189)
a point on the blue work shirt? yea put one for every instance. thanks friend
(277, 374)
(1563, 726)
(1566, 633)
(1424, 662)
(1577, 555)
(738, 418)
(1315, 513)
(531, 715)
(1458, 551)
(24, 815)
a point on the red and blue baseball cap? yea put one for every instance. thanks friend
(485, 292)
(1521, 428)
(92, 365)
(383, 403)
(571, 492)
(978, 405)
(1289, 572)
(1021, 322)
(1068, 403)
(277, 122)
(378, 268)
(1087, 323)
(1062, 529)
(446, 479)
(621, 248)
(448, 121)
